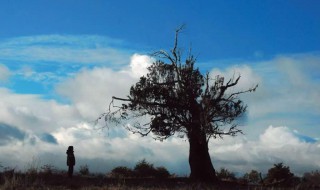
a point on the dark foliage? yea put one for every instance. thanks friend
(253, 177)
(281, 175)
(142, 169)
(84, 170)
(225, 174)
(178, 99)
(312, 178)
(121, 172)
(162, 172)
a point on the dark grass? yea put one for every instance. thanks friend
(61, 181)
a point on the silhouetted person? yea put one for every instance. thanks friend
(71, 160)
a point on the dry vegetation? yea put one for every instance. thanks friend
(49, 178)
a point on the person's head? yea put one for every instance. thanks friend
(70, 149)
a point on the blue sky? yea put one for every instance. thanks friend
(217, 29)
(62, 61)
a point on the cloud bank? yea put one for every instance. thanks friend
(281, 124)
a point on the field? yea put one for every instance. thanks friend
(49, 181)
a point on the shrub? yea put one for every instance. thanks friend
(281, 175)
(144, 169)
(121, 172)
(312, 178)
(162, 172)
(253, 177)
(225, 174)
(84, 170)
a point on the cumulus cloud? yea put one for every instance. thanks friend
(32, 113)
(248, 78)
(287, 95)
(275, 144)
(91, 90)
(237, 154)
(35, 126)
(139, 64)
(294, 80)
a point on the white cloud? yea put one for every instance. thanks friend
(278, 137)
(288, 92)
(90, 91)
(276, 144)
(237, 154)
(64, 49)
(139, 64)
(32, 113)
(293, 83)
(4, 73)
(284, 81)
(248, 77)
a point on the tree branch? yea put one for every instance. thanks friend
(122, 99)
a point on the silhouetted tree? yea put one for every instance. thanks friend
(280, 174)
(312, 178)
(252, 177)
(178, 99)
(226, 174)
(144, 169)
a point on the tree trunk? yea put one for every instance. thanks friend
(199, 159)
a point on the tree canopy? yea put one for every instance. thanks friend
(177, 98)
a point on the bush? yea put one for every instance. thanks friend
(253, 177)
(84, 170)
(162, 172)
(312, 178)
(121, 172)
(144, 169)
(225, 174)
(281, 175)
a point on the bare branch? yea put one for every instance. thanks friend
(163, 54)
(122, 99)
(242, 92)
(174, 51)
